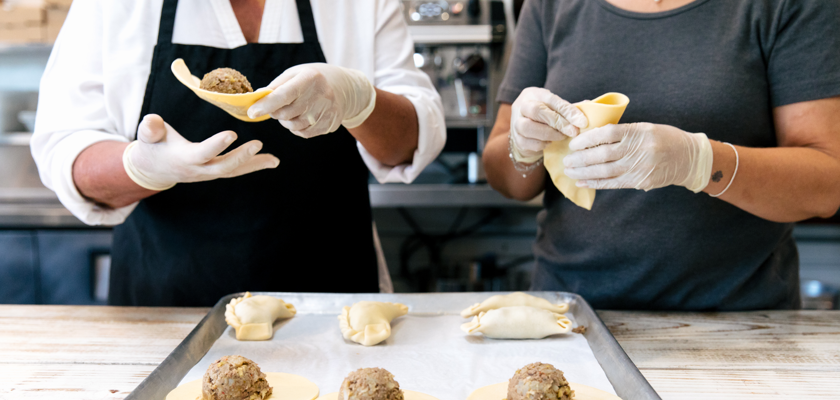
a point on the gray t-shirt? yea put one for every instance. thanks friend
(712, 66)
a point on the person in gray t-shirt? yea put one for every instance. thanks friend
(763, 75)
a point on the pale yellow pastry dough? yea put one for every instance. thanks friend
(604, 110)
(409, 395)
(236, 105)
(518, 322)
(514, 299)
(253, 316)
(499, 392)
(284, 387)
(369, 322)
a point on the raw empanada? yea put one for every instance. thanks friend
(519, 322)
(369, 322)
(514, 299)
(253, 316)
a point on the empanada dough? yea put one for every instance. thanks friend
(284, 387)
(499, 392)
(519, 322)
(604, 110)
(236, 105)
(369, 322)
(409, 395)
(253, 316)
(514, 299)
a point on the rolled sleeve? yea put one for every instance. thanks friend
(72, 113)
(395, 72)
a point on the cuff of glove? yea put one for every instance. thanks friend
(516, 156)
(137, 176)
(359, 119)
(702, 165)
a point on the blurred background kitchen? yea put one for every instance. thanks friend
(449, 231)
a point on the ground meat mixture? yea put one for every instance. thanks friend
(234, 378)
(581, 329)
(226, 80)
(539, 381)
(370, 384)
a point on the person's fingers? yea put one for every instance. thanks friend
(229, 162)
(595, 155)
(542, 112)
(152, 129)
(598, 171)
(568, 111)
(528, 146)
(600, 184)
(598, 136)
(536, 130)
(256, 163)
(299, 124)
(200, 153)
(322, 127)
(291, 111)
(286, 89)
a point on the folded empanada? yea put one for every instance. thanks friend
(253, 316)
(520, 322)
(369, 322)
(514, 299)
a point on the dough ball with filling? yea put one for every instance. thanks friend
(370, 384)
(539, 381)
(226, 80)
(234, 378)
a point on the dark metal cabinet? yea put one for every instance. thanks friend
(18, 268)
(52, 266)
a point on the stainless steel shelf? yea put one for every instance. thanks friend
(442, 195)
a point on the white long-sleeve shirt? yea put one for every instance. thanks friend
(95, 80)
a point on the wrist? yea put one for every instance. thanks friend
(524, 164)
(701, 159)
(139, 177)
(365, 101)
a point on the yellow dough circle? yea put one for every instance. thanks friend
(284, 387)
(499, 392)
(409, 395)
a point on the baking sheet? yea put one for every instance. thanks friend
(427, 351)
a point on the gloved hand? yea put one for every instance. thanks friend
(315, 99)
(640, 156)
(161, 157)
(539, 117)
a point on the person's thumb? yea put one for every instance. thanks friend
(152, 129)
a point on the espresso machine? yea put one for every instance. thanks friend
(462, 46)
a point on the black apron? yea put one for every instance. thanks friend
(304, 226)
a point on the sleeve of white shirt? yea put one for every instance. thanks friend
(72, 113)
(396, 73)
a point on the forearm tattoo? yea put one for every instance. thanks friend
(717, 176)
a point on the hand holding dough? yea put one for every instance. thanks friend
(253, 316)
(514, 299)
(369, 322)
(519, 322)
(602, 111)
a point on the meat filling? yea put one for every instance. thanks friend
(539, 381)
(370, 384)
(226, 80)
(234, 378)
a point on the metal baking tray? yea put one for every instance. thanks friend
(626, 379)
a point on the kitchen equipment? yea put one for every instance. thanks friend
(27, 118)
(622, 374)
(817, 295)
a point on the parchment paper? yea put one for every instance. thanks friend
(427, 351)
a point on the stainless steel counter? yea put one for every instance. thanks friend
(40, 208)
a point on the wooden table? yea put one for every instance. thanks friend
(71, 352)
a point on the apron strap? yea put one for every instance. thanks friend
(167, 21)
(307, 21)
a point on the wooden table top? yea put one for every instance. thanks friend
(75, 352)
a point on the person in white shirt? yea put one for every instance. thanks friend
(123, 143)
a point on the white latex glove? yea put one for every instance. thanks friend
(539, 117)
(315, 99)
(161, 157)
(640, 156)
